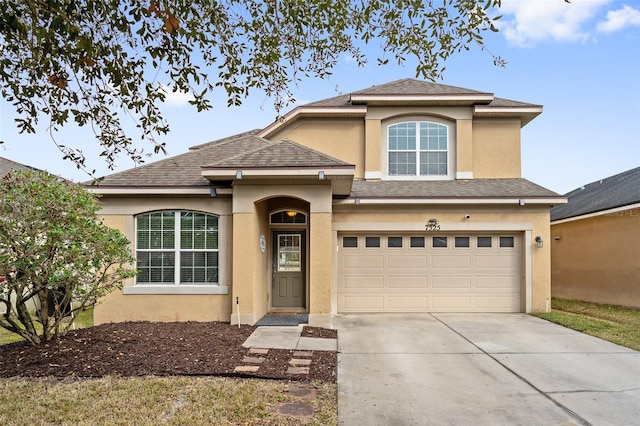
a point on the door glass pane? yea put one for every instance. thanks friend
(372, 242)
(439, 242)
(417, 242)
(394, 242)
(484, 242)
(289, 259)
(462, 242)
(506, 242)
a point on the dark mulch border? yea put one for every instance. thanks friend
(161, 349)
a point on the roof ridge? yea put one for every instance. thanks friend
(244, 153)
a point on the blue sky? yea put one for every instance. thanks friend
(581, 61)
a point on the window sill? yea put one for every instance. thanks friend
(176, 289)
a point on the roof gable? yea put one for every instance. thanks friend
(615, 191)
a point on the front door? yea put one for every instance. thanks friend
(288, 287)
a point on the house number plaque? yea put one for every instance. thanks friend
(432, 225)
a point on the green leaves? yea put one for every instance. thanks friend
(51, 239)
(95, 62)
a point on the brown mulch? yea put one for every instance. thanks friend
(160, 349)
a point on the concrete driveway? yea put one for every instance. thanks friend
(480, 369)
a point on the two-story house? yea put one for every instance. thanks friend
(404, 197)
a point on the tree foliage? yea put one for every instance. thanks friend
(53, 249)
(93, 62)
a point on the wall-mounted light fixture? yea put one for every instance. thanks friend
(521, 201)
(539, 241)
(239, 174)
(213, 192)
(321, 175)
(357, 201)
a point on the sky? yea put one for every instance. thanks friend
(581, 61)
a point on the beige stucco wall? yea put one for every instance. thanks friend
(116, 306)
(597, 259)
(496, 149)
(342, 139)
(252, 205)
(528, 221)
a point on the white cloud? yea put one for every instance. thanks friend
(620, 19)
(177, 99)
(527, 22)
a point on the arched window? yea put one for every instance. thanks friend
(418, 148)
(177, 247)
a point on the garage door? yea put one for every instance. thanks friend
(429, 273)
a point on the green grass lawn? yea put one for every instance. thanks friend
(613, 323)
(158, 400)
(83, 319)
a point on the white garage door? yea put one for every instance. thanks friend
(429, 273)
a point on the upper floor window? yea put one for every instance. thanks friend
(418, 148)
(177, 247)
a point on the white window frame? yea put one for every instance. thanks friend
(176, 287)
(451, 135)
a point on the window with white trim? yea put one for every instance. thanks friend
(177, 247)
(418, 148)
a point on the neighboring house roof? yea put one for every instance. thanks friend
(615, 191)
(7, 166)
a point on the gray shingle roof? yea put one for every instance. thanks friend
(185, 169)
(615, 191)
(471, 188)
(285, 153)
(411, 86)
(244, 150)
(7, 165)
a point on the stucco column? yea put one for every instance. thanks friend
(320, 267)
(243, 251)
(464, 149)
(372, 166)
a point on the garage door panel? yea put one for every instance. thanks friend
(354, 261)
(494, 281)
(363, 303)
(416, 262)
(447, 282)
(451, 303)
(498, 303)
(428, 279)
(450, 262)
(400, 282)
(403, 303)
(359, 282)
(496, 262)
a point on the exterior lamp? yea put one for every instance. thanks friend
(321, 175)
(539, 242)
(239, 174)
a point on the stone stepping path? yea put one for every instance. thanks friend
(299, 364)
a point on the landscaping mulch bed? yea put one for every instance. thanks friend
(160, 349)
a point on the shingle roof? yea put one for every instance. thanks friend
(185, 169)
(244, 150)
(471, 188)
(285, 153)
(411, 86)
(7, 165)
(615, 191)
